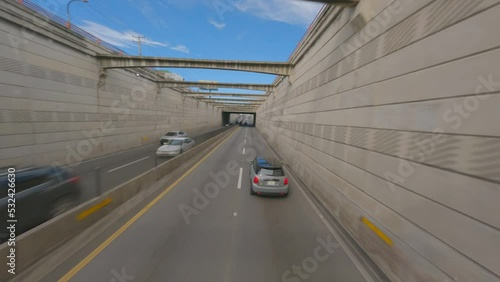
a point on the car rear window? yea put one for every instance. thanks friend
(272, 172)
(173, 142)
(171, 134)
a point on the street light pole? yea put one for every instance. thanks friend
(68, 24)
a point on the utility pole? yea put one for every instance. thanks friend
(139, 37)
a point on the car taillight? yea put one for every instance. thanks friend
(256, 180)
(285, 181)
(75, 179)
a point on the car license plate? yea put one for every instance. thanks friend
(271, 183)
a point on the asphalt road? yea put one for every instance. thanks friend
(101, 174)
(220, 233)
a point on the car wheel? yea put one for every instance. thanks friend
(60, 206)
(252, 192)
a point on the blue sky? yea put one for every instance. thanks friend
(264, 30)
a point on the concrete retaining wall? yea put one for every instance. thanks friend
(392, 115)
(53, 110)
(40, 241)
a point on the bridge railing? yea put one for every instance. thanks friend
(55, 19)
(307, 32)
(83, 34)
(302, 39)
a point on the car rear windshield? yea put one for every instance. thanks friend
(173, 142)
(272, 172)
(171, 134)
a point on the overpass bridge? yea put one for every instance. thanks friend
(232, 103)
(232, 99)
(117, 61)
(383, 118)
(217, 94)
(202, 84)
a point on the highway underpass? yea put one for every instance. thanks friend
(384, 118)
(101, 174)
(226, 234)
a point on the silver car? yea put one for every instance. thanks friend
(267, 178)
(171, 134)
(175, 146)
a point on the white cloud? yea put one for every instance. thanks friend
(155, 43)
(287, 11)
(150, 12)
(217, 25)
(115, 37)
(295, 12)
(180, 48)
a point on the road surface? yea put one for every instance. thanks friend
(101, 174)
(198, 232)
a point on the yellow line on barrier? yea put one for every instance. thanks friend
(117, 233)
(93, 209)
(377, 231)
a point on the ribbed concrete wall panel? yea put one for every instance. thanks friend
(20, 41)
(438, 82)
(51, 102)
(451, 41)
(401, 129)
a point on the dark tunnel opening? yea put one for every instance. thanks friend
(239, 118)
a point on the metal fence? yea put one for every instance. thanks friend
(150, 73)
(55, 19)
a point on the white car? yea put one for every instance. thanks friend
(171, 134)
(175, 146)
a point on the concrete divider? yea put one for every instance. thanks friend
(40, 241)
(204, 137)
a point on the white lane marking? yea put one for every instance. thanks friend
(337, 237)
(239, 178)
(235, 214)
(245, 141)
(330, 228)
(117, 168)
(243, 151)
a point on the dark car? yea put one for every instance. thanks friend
(41, 193)
(267, 178)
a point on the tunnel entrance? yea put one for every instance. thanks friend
(239, 118)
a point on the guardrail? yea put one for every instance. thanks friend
(55, 19)
(82, 34)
